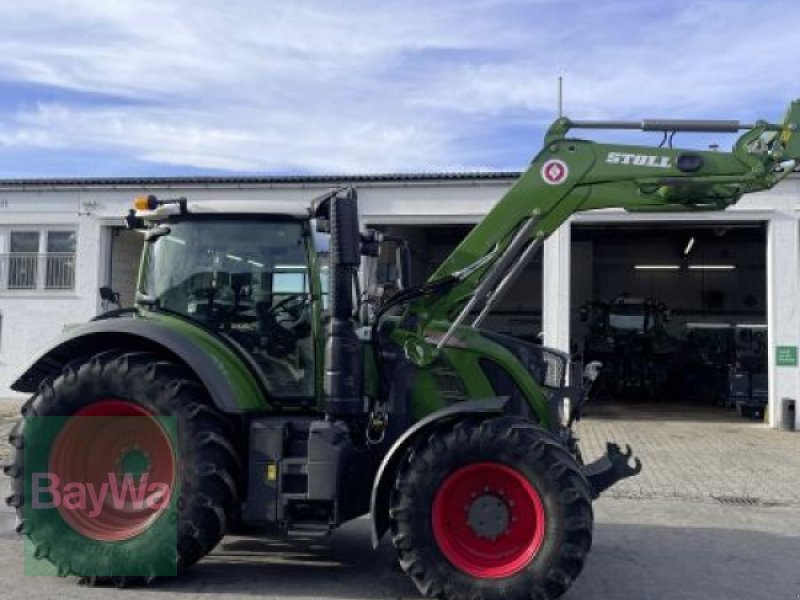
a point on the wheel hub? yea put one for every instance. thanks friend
(488, 520)
(488, 516)
(128, 464)
(133, 461)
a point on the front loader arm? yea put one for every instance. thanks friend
(573, 175)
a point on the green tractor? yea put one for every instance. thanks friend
(628, 337)
(301, 402)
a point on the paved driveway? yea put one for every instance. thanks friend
(699, 454)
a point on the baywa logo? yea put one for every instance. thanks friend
(85, 496)
(99, 496)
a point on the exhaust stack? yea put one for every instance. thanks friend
(343, 383)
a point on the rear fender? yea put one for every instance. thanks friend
(229, 382)
(384, 479)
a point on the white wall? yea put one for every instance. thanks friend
(32, 318)
(783, 285)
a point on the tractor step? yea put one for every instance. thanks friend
(295, 475)
(309, 529)
(294, 478)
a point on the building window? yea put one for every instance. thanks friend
(40, 259)
(60, 260)
(23, 260)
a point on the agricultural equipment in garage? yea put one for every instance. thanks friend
(628, 337)
(706, 359)
(747, 377)
(297, 410)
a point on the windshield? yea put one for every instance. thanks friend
(224, 261)
(247, 279)
(629, 317)
(626, 322)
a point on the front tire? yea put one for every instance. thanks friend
(493, 509)
(198, 459)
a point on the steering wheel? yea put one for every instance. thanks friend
(289, 305)
(219, 307)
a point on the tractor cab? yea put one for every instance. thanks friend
(625, 315)
(629, 337)
(255, 278)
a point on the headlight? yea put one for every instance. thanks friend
(565, 411)
(555, 369)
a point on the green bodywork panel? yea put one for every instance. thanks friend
(433, 387)
(248, 394)
(466, 361)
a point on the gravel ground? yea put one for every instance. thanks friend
(6, 423)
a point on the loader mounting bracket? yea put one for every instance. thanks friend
(611, 468)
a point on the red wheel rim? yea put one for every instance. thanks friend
(134, 458)
(488, 520)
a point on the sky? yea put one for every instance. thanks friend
(106, 88)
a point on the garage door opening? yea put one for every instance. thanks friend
(677, 314)
(518, 313)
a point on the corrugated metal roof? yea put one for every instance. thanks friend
(256, 180)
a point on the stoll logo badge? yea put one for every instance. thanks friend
(639, 160)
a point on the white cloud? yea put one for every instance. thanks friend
(367, 86)
(277, 141)
(697, 59)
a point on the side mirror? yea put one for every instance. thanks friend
(404, 265)
(321, 209)
(370, 243)
(323, 225)
(592, 370)
(109, 295)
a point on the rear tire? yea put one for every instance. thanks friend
(206, 466)
(495, 509)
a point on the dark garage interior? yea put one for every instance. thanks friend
(676, 313)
